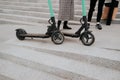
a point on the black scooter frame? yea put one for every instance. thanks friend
(84, 36)
(56, 36)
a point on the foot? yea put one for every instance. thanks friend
(66, 27)
(88, 25)
(98, 26)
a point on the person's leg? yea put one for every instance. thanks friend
(58, 24)
(65, 25)
(100, 9)
(99, 14)
(92, 8)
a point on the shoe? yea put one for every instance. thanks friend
(88, 25)
(98, 26)
(66, 27)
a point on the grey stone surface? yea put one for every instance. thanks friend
(70, 60)
(40, 59)
(2, 77)
(29, 10)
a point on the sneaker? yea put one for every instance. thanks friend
(66, 27)
(98, 26)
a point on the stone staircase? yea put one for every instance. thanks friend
(28, 63)
(40, 59)
(28, 60)
(34, 12)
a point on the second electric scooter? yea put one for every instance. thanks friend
(83, 33)
(56, 36)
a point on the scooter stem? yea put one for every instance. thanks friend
(52, 16)
(84, 14)
(50, 8)
(83, 8)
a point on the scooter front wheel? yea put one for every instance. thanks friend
(87, 38)
(19, 33)
(57, 37)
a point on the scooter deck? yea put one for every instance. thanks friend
(71, 35)
(35, 35)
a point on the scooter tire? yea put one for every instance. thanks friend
(19, 32)
(87, 38)
(57, 37)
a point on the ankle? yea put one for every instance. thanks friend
(65, 23)
(58, 24)
(66, 27)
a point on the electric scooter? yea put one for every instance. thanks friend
(56, 36)
(83, 33)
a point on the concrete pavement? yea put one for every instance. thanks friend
(56, 61)
(108, 35)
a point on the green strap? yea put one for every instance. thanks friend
(50, 8)
(83, 8)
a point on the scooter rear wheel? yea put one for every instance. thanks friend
(20, 32)
(87, 38)
(57, 37)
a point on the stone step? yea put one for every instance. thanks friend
(26, 13)
(44, 14)
(34, 14)
(108, 62)
(36, 20)
(30, 18)
(9, 21)
(118, 15)
(39, 1)
(58, 65)
(111, 61)
(2, 77)
(37, 4)
(33, 10)
(116, 21)
(45, 6)
(25, 8)
(28, 10)
(26, 19)
(45, 10)
(22, 72)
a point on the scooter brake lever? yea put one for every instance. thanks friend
(81, 21)
(49, 21)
